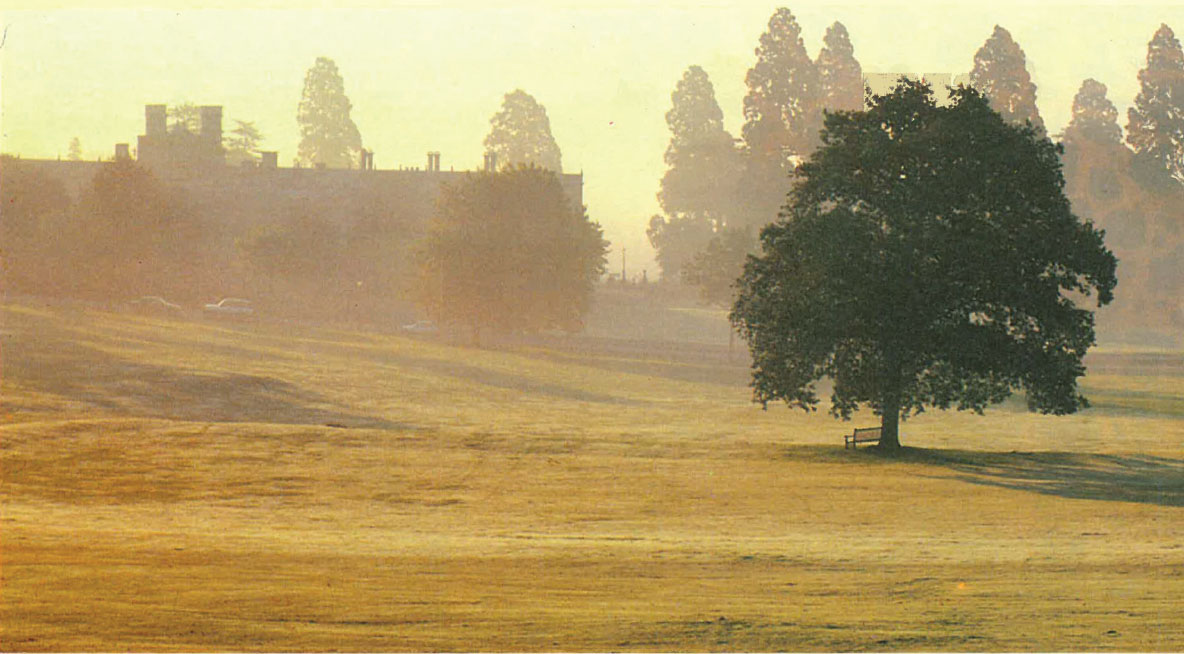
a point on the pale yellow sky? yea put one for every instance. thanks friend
(428, 75)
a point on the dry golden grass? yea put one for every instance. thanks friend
(202, 486)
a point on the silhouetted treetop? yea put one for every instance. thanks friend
(1094, 117)
(242, 142)
(840, 77)
(781, 114)
(327, 133)
(520, 134)
(1156, 123)
(75, 151)
(703, 163)
(927, 256)
(1000, 73)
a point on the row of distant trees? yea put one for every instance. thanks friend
(719, 191)
(520, 133)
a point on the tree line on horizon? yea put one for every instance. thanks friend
(719, 191)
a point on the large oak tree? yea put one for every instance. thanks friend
(927, 256)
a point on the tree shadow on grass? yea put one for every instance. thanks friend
(78, 373)
(1117, 478)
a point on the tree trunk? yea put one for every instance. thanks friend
(890, 424)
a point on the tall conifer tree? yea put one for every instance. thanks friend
(1000, 73)
(1156, 123)
(327, 133)
(840, 76)
(781, 113)
(782, 117)
(1094, 117)
(520, 134)
(698, 191)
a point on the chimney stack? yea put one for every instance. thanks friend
(491, 162)
(121, 152)
(211, 125)
(269, 160)
(155, 120)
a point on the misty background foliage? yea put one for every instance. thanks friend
(716, 195)
(520, 134)
(328, 135)
(508, 252)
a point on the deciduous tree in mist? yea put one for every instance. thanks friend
(327, 133)
(676, 240)
(75, 151)
(507, 252)
(718, 266)
(1156, 123)
(1000, 73)
(699, 190)
(32, 227)
(520, 134)
(840, 77)
(242, 142)
(927, 257)
(135, 235)
(782, 116)
(294, 260)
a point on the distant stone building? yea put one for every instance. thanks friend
(238, 197)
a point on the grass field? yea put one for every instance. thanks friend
(174, 485)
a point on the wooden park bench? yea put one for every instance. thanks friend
(865, 435)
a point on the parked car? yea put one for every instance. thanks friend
(421, 327)
(230, 306)
(155, 304)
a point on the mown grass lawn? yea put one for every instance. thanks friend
(175, 485)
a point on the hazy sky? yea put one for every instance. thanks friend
(428, 75)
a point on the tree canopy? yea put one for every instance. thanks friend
(1000, 73)
(698, 191)
(704, 165)
(520, 134)
(781, 110)
(782, 116)
(716, 267)
(1094, 117)
(927, 256)
(327, 133)
(676, 240)
(242, 142)
(1156, 123)
(840, 77)
(508, 251)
